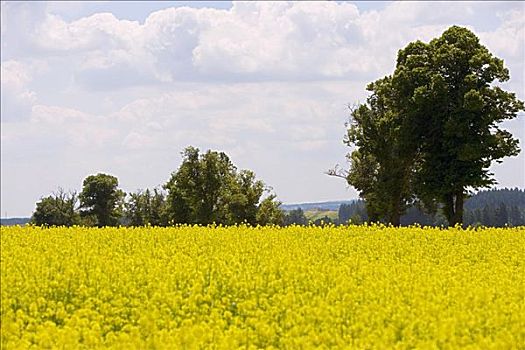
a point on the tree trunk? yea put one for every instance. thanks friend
(395, 215)
(395, 219)
(454, 208)
(458, 208)
(394, 209)
(373, 215)
(448, 208)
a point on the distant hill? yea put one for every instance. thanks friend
(332, 205)
(14, 221)
(316, 214)
(493, 197)
(494, 208)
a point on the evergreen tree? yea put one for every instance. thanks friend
(487, 216)
(515, 216)
(345, 212)
(295, 217)
(501, 216)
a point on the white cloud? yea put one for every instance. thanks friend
(509, 39)
(252, 41)
(136, 141)
(101, 31)
(57, 115)
(16, 98)
(78, 129)
(267, 82)
(19, 23)
(288, 40)
(15, 74)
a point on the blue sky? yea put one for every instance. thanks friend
(123, 87)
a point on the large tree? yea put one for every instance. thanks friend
(146, 208)
(430, 131)
(58, 209)
(269, 212)
(207, 188)
(447, 91)
(381, 163)
(101, 199)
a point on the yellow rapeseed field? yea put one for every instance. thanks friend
(351, 287)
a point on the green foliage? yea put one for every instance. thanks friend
(207, 189)
(324, 221)
(496, 207)
(146, 208)
(101, 201)
(241, 201)
(59, 209)
(381, 163)
(354, 212)
(295, 217)
(269, 212)
(431, 130)
(448, 86)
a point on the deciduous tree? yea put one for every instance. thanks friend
(59, 209)
(207, 188)
(146, 208)
(269, 212)
(432, 130)
(381, 163)
(101, 199)
(448, 88)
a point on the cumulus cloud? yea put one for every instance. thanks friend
(16, 98)
(76, 129)
(266, 109)
(508, 40)
(252, 41)
(267, 82)
(136, 141)
(289, 40)
(19, 26)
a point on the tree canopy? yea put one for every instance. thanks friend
(207, 188)
(381, 164)
(101, 200)
(430, 131)
(58, 209)
(146, 208)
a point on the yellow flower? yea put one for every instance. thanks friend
(264, 287)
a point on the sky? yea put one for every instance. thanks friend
(123, 87)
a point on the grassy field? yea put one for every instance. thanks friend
(240, 287)
(314, 214)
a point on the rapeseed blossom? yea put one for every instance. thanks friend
(192, 287)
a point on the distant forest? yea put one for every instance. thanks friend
(496, 208)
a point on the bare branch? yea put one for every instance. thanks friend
(337, 171)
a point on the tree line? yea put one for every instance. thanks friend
(428, 133)
(206, 189)
(491, 208)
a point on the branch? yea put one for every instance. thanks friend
(337, 172)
